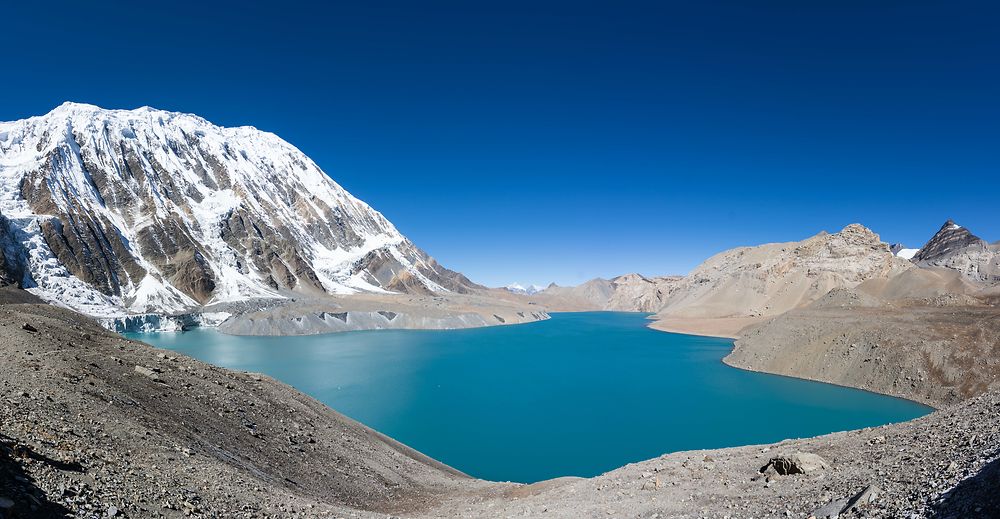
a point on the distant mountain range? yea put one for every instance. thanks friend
(517, 288)
(130, 211)
(748, 283)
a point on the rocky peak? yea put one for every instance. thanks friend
(956, 248)
(857, 234)
(949, 239)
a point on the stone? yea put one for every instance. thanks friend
(831, 510)
(834, 509)
(796, 463)
(142, 370)
(864, 498)
(28, 327)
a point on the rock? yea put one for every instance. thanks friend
(28, 327)
(767, 473)
(831, 510)
(142, 370)
(112, 511)
(864, 498)
(796, 463)
(6, 503)
(834, 509)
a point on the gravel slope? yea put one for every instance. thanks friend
(96, 423)
(937, 355)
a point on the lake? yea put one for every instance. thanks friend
(579, 394)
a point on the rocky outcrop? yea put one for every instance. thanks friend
(151, 211)
(637, 293)
(795, 463)
(13, 257)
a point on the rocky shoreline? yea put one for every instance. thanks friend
(333, 314)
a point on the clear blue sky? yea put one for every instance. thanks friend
(546, 141)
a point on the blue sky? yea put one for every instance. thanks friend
(550, 141)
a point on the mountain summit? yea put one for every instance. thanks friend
(955, 247)
(115, 211)
(950, 238)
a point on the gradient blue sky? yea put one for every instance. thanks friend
(559, 141)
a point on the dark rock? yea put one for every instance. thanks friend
(796, 463)
(949, 239)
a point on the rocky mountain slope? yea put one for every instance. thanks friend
(954, 247)
(771, 279)
(930, 333)
(115, 211)
(939, 350)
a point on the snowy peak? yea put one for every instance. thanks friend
(517, 288)
(144, 210)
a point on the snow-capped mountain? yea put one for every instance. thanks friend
(528, 290)
(116, 211)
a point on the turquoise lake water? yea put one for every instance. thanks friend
(580, 394)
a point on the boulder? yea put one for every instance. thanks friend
(796, 463)
(831, 510)
(841, 506)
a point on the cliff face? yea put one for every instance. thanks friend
(636, 293)
(152, 211)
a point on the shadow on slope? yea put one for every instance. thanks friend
(19, 495)
(976, 496)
